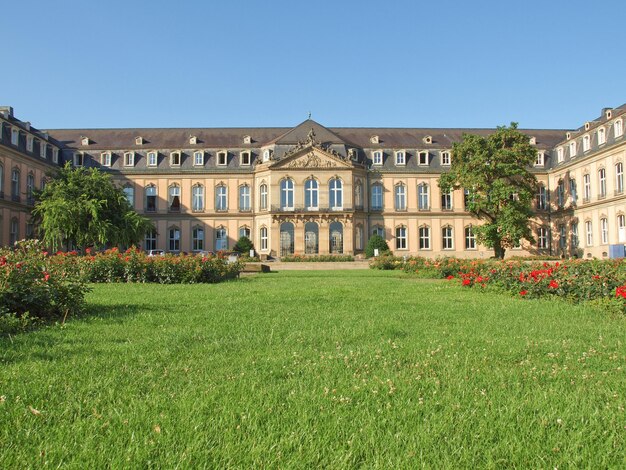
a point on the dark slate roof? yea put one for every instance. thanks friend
(301, 132)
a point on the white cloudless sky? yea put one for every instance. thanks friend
(86, 64)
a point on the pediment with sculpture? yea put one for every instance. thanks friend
(312, 154)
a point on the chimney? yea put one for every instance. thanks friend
(6, 111)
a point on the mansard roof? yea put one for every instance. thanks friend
(301, 132)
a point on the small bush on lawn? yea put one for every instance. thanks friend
(33, 286)
(243, 246)
(386, 261)
(316, 258)
(376, 242)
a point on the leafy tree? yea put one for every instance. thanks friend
(83, 207)
(243, 245)
(376, 241)
(501, 188)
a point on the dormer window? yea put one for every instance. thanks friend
(586, 143)
(29, 143)
(427, 139)
(247, 139)
(175, 159)
(55, 155)
(609, 113)
(15, 136)
(129, 159)
(618, 128)
(587, 125)
(198, 158)
(445, 158)
(540, 161)
(568, 135)
(139, 140)
(422, 158)
(377, 157)
(532, 140)
(353, 154)
(559, 155)
(105, 158)
(79, 158)
(152, 158)
(572, 149)
(43, 149)
(244, 158)
(266, 155)
(222, 158)
(400, 157)
(374, 139)
(601, 136)
(84, 141)
(193, 140)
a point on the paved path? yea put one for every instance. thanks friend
(278, 266)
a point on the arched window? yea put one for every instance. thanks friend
(30, 187)
(221, 239)
(311, 238)
(197, 198)
(221, 198)
(264, 239)
(15, 184)
(286, 238)
(335, 188)
(244, 198)
(619, 178)
(336, 237)
(129, 192)
(197, 238)
(401, 238)
(400, 197)
(286, 194)
(377, 197)
(447, 239)
(311, 194)
(423, 198)
(151, 198)
(174, 198)
(174, 238)
(424, 237)
(263, 197)
(358, 195)
(378, 230)
(470, 238)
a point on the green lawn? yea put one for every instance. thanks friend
(334, 369)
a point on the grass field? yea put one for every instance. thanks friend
(334, 369)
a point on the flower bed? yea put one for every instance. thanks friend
(574, 280)
(33, 286)
(316, 258)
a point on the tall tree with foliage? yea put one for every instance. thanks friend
(83, 207)
(495, 170)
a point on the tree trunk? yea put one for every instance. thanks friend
(499, 250)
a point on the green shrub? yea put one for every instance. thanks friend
(243, 245)
(316, 258)
(386, 261)
(376, 241)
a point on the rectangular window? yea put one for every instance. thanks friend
(621, 228)
(263, 197)
(245, 158)
(560, 193)
(422, 158)
(129, 159)
(197, 239)
(445, 158)
(542, 238)
(572, 149)
(43, 149)
(586, 188)
(174, 239)
(540, 159)
(377, 197)
(221, 202)
(618, 128)
(400, 197)
(601, 136)
(400, 157)
(55, 155)
(401, 238)
(263, 234)
(244, 198)
(604, 231)
(559, 155)
(198, 158)
(446, 200)
(470, 238)
(602, 183)
(541, 198)
(152, 159)
(619, 178)
(197, 198)
(377, 158)
(423, 200)
(562, 238)
(586, 143)
(105, 159)
(589, 232)
(447, 239)
(424, 238)
(79, 159)
(573, 191)
(222, 158)
(574, 235)
(175, 159)
(29, 143)
(15, 136)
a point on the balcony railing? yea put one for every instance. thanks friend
(302, 208)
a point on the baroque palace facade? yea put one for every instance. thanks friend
(317, 190)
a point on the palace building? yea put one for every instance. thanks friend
(316, 190)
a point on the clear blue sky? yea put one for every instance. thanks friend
(441, 63)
